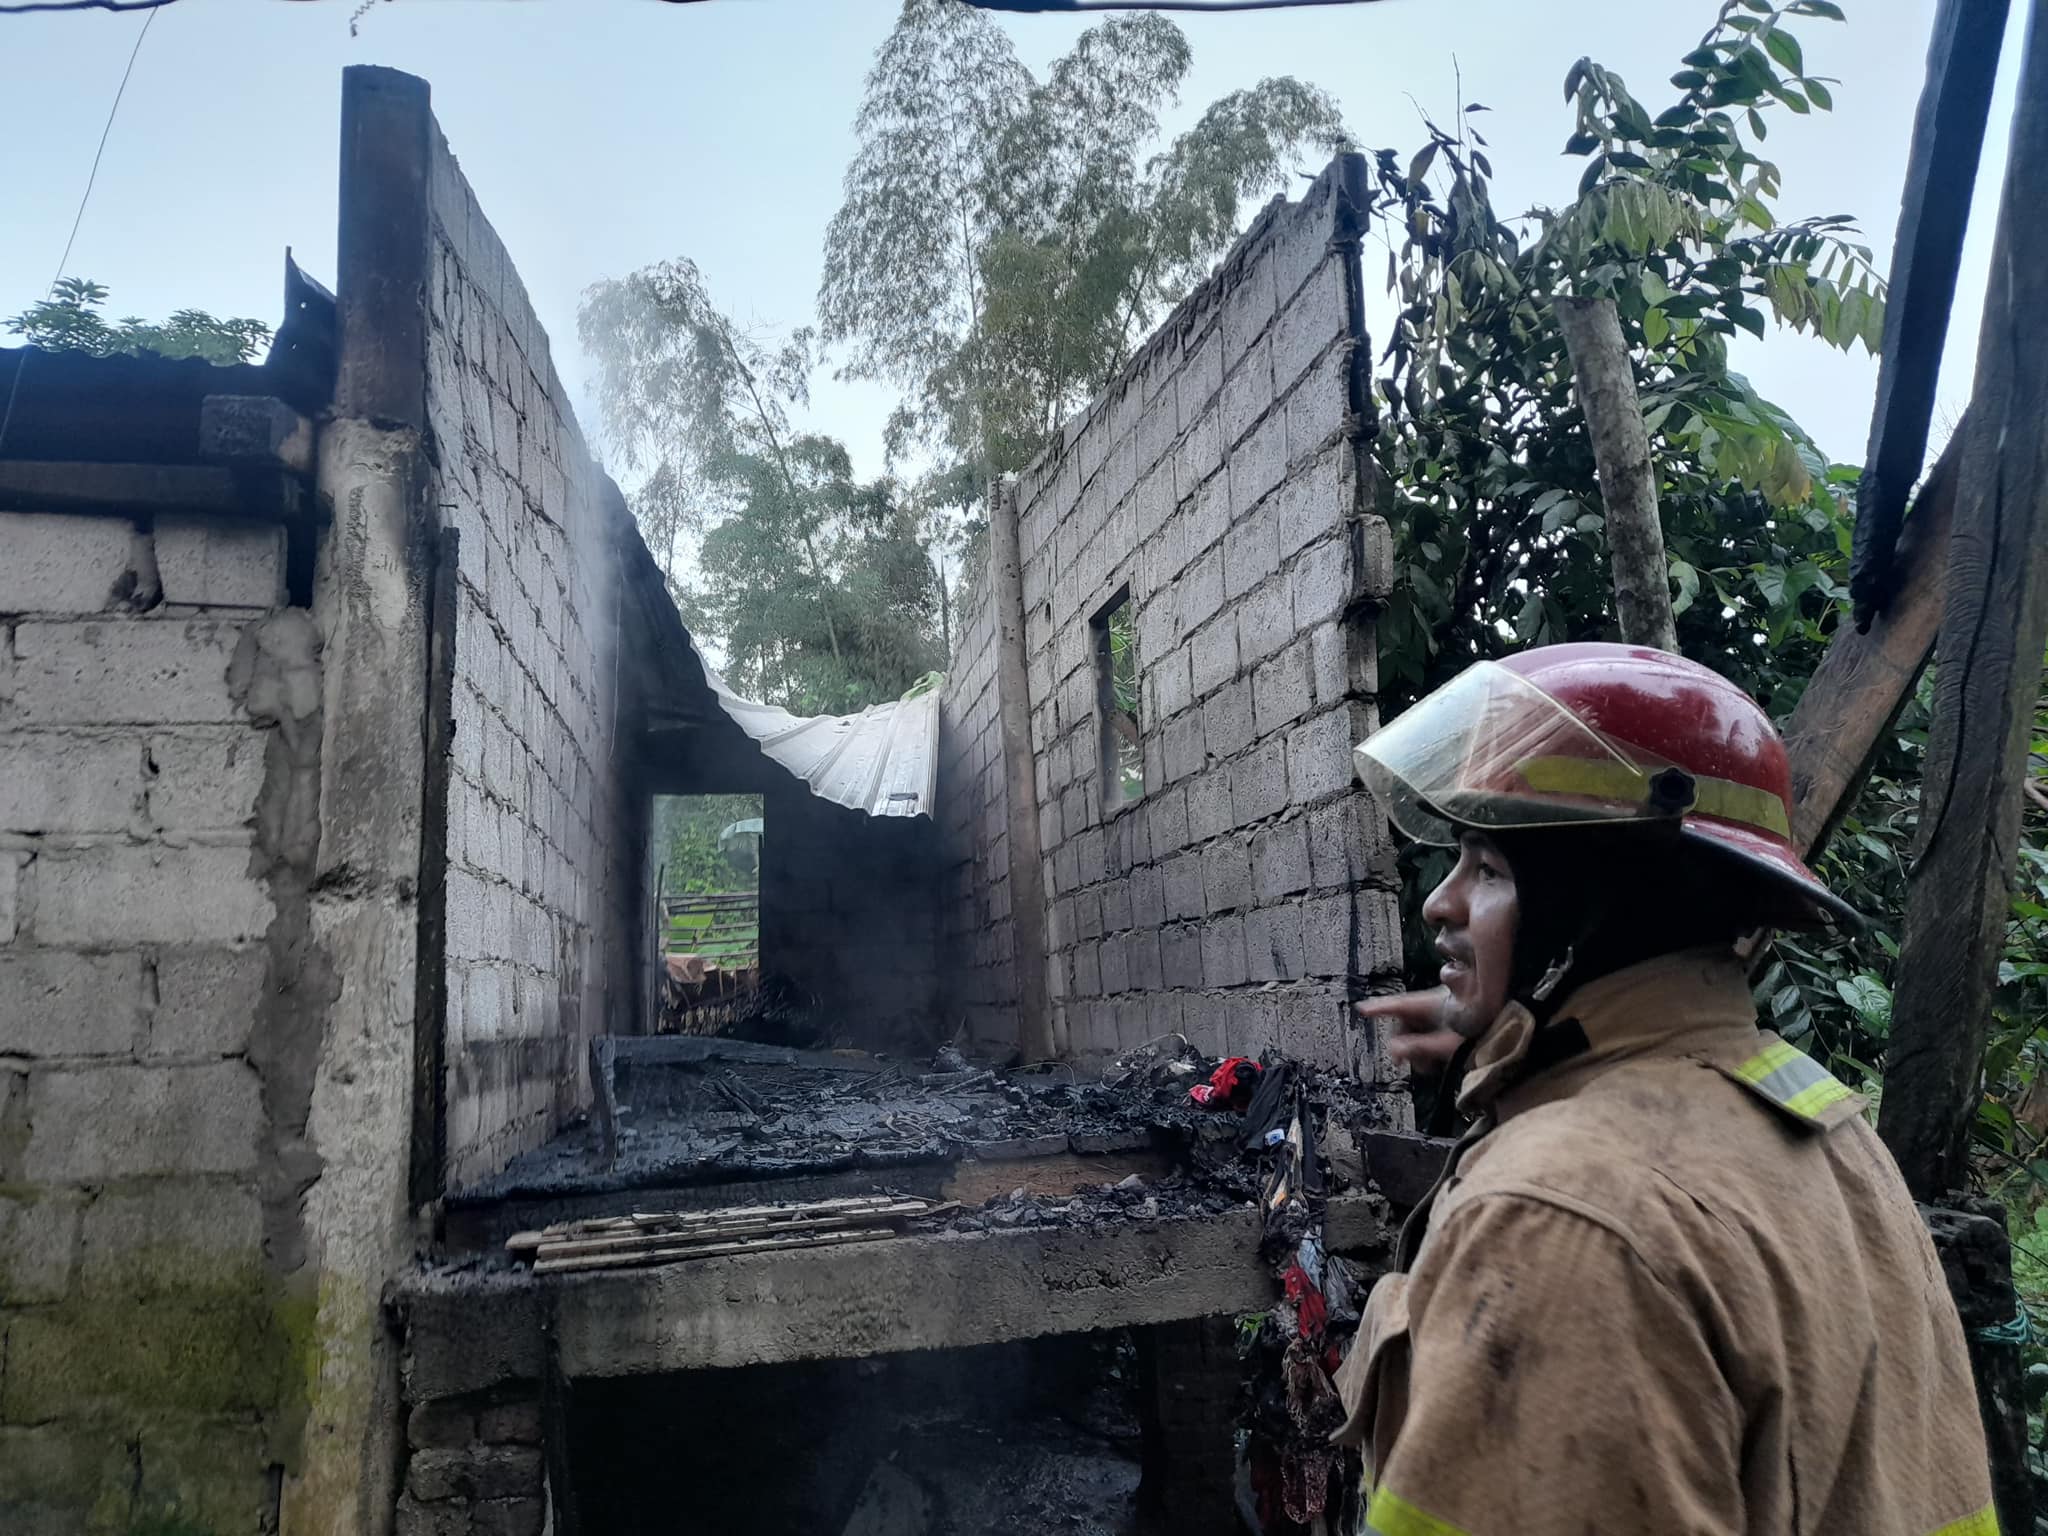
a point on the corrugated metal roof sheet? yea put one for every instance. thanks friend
(883, 761)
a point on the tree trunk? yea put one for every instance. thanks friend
(1621, 450)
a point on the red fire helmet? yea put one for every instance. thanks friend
(1599, 734)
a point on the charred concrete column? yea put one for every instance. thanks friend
(1020, 782)
(371, 602)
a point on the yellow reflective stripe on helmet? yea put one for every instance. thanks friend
(1605, 779)
(1793, 1080)
(1729, 801)
(1616, 780)
(1391, 1515)
(1982, 1523)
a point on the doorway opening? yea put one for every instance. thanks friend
(707, 851)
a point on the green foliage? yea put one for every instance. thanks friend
(685, 838)
(757, 591)
(1489, 476)
(1490, 487)
(1005, 240)
(821, 590)
(1121, 640)
(70, 320)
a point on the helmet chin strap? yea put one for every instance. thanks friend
(1443, 1114)
(1549, 988)
(1548, 982)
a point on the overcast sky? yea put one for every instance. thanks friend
(601, 135)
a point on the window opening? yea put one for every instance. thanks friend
(1116, 692)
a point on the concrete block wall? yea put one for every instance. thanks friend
(847, 918)
(977, 939)
(537, 827)
(469, 1373)
(159, 711)
(1248, 894)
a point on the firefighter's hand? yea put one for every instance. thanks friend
(1421, 1039)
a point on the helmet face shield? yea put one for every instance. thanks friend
(1589, 733)
(1492, 751)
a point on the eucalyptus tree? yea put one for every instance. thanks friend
(1005, 240)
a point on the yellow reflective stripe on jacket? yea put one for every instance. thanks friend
(1793, 1080)
(1391, 1515)
(1982, 1523)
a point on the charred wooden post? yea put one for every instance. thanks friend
(1994, 625)
(1993, 629)
(1934, 211)
(1866, 676)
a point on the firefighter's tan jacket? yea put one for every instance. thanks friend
(1672, 1284)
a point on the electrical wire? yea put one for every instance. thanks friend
(92, 176)
(23, 7)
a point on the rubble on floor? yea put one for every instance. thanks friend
(710, 1148)
(702, 1123)
(956, 1477)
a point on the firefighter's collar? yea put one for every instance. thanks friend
(1693, 1001)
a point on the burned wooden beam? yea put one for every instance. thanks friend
(1934, 211)
(604, 1096)
(126, 490)
(72, 406)
(1993, 630)
(1866, 676)
(1994, 626)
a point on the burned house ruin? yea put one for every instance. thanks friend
(334, 697)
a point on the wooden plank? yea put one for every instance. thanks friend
(1993, 630)
(655, 1221)
(1866, 676)
(641, 1258)
(123, 490)
(1934, 211)
(570, 1245)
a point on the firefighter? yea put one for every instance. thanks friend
(1670, 1281)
